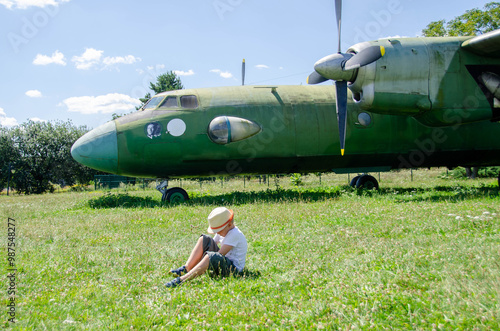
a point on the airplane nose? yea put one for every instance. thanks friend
(98, 149)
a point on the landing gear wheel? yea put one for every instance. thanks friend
(354, 181)
(367, 182)
(175, 194)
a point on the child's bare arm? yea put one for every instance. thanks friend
(225, 249)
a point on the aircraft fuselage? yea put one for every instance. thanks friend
(295, 130)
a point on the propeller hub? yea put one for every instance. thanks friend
(332, 67)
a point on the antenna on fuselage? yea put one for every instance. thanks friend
(243, 69)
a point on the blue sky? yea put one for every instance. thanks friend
(85, 59)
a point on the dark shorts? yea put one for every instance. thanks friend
(219, 264)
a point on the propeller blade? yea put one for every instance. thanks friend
(365, 57)
(315, 78)
(341, 100)
(243, 69)
(338, 10)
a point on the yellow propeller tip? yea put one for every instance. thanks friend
(342, 151)
(382, 50)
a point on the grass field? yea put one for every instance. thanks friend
(417, 255)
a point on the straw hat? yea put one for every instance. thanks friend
(219, 218)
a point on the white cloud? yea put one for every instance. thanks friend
(104, 104)
(36, 119)
(157, 67)
(91, 57)
(223, 74)
(6, 121)
(34, 94)
(129, 59)
(394, 37)
(56, 58)
(184, 73)
(261, 66)
(23, 4)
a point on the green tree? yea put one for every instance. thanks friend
(435, 29)
(473, 22)
(40, 155)
(8, 155)
(165, 82)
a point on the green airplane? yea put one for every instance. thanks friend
(397, 103)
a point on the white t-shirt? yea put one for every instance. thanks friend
(237, 239)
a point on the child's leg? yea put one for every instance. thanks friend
(204, 244)
(196, 255)
(198, 269)
(219, 264)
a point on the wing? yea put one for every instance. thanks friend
(487, 44)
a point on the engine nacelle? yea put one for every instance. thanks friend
(427, 78)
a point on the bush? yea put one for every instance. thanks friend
(122, 201)
(296, 179)
(39, 155)
(460, 173)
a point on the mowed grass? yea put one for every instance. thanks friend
(417, 255)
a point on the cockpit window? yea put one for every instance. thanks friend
(165, 103)
(153, 103)
(170, 102)
(189, 102)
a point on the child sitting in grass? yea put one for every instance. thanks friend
(206, 254)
